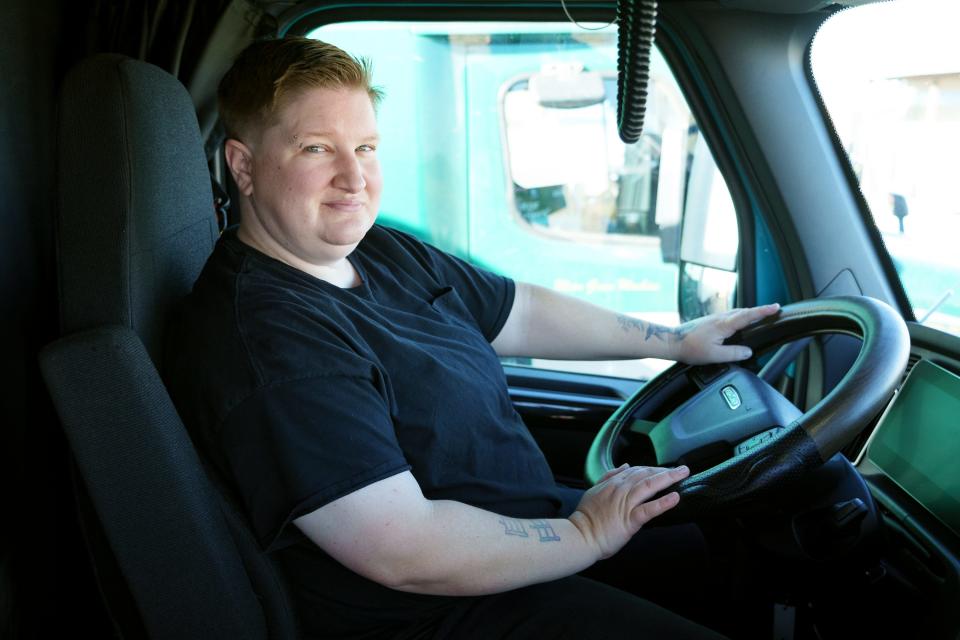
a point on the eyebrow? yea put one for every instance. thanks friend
(327, 134)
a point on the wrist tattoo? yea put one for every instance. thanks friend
(544, 529)
(651, 330)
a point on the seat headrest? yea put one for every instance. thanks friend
(136, 217)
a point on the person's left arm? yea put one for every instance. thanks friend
(546, 324)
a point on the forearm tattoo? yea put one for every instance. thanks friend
(544, 529)
(651, 330)
(514, 528)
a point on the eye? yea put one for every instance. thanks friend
(314, 148)
(368, 148)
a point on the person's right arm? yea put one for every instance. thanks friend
(390, 533)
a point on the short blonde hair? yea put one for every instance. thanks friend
(268, 73)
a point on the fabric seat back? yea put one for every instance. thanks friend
(136, 224)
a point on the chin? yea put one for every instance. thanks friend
(349, 233)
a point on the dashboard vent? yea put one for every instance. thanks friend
(911, 362)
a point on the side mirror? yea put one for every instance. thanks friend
(709, 241)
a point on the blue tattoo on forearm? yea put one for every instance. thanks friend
(547, 534)
(651, 330)
(543, 528)
(514, 528)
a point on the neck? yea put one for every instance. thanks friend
(339, 272)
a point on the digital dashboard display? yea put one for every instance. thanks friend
(917, 443)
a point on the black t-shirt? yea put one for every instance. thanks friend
(301, 392)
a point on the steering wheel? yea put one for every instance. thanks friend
(773, 441)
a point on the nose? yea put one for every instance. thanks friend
(349, 176)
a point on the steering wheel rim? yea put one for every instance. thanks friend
(808, 441)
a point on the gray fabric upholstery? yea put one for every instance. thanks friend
(136, 224)
(159, 513)
(134, 192)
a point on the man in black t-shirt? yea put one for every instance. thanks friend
(346, 378)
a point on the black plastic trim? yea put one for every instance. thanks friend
(597, 389)
(305, 17)
(941, 348)
(936, 539)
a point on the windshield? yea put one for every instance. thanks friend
(500, 146)
(889, 75)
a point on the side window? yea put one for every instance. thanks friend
(889, 75)
(499, 144)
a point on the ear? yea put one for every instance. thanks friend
(240, 160)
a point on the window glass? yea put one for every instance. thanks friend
(594, 183)
(499, 145)
(889, 75)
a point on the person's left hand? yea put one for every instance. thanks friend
(701, 340)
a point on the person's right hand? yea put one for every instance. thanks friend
(614, 509)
